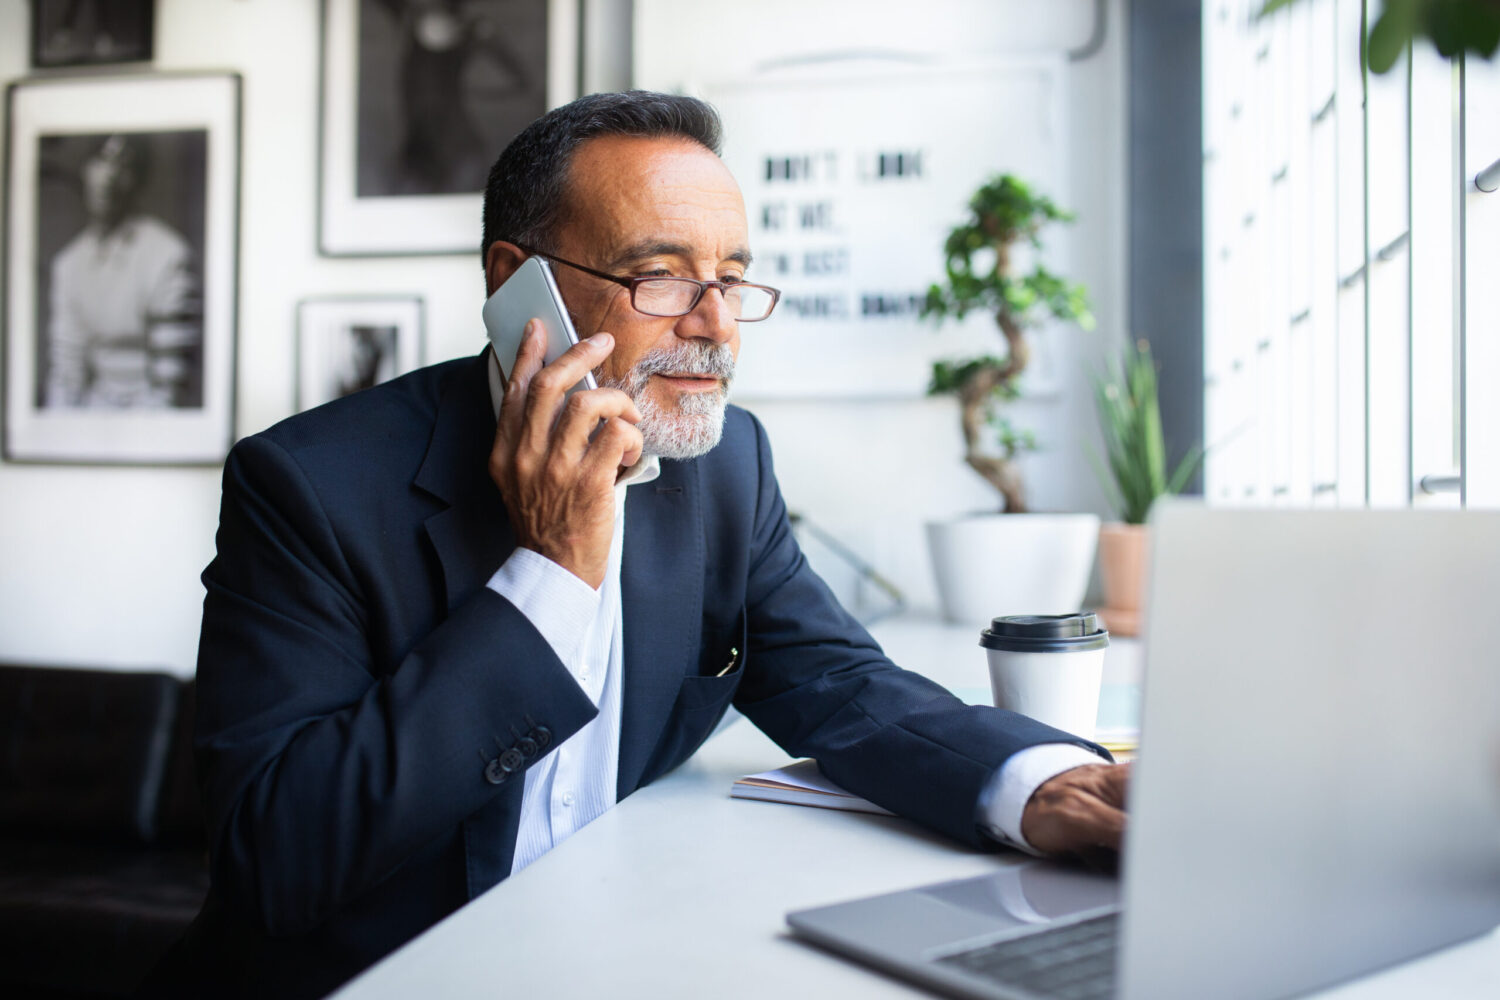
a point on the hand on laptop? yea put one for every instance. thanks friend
(1081, 812)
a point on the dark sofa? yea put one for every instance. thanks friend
(102, 857)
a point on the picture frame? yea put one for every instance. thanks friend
(120, 269)
(91, 32)
(354, 342)
(414, 108)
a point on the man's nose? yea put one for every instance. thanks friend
(711, 319)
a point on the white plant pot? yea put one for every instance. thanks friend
(1012, 564)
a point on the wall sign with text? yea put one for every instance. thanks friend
(853, 173)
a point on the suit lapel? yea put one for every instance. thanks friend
(661, 583)
(472, 536)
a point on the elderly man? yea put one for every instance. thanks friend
(453, 619)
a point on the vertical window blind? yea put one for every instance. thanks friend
(1352, 265)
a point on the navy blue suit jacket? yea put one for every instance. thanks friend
(357, 678)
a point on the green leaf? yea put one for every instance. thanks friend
(1184, 470)
(1106, 480)
(950, 376)
(1457, 26)
(1453, 26)
(1125, 396)
(978, 275)
(1391, 35)
(1272, 6)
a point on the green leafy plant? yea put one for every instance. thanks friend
(1453, 26)
(980, 276)
(1130, 415)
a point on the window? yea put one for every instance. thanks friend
(1344, 279)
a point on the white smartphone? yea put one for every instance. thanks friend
(530, 293)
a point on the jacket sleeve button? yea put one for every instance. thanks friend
(494, 773)
(511, 760)
(528, 747)
(543, 737)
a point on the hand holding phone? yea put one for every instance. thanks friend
(556, 463)
(530, 293)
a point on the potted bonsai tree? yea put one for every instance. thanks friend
(1136, 455)
(1004, 565)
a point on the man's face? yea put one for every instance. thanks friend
(638, 207)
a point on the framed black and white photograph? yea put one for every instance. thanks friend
(348, 344)
(418, 99)
(90, 32)
(121, 219)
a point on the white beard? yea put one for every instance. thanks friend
(695, 423)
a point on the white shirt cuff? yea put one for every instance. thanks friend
(1009, 789)
(558, 604)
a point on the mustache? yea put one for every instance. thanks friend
(691, 357)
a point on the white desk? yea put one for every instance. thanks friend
(680, 891)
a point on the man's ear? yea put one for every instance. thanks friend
(500, 262)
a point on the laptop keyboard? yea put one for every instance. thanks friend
(1071, 962)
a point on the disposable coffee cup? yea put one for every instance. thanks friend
(1048, 667)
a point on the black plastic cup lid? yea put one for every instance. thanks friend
(1045, 633)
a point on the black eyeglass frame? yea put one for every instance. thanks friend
(632, 283)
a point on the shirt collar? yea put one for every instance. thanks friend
(646, 468)
(119, 234)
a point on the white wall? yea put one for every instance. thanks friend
(873, 471)
(99, 566)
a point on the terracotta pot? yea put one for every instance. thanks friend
(1122, 569)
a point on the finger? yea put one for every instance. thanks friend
(1077, 826)
(548, 387)
(1107, 782)
(513, 402)
(531, 353)
(615, 445)
(527, 363)
(1115, 786)
(580, 419)
(1073, 810)
(573, 364)
(633, 451)
(1104, 827)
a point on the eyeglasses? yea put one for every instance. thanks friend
(669, 297)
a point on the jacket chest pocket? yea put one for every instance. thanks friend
(702, 699)
(721, 664)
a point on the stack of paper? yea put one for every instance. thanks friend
(801, 784)
(1122, 741)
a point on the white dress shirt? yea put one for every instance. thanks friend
(575, 784)
(114, 295)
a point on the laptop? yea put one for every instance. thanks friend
(1318, 789)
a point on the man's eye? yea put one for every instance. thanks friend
(732, 279)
